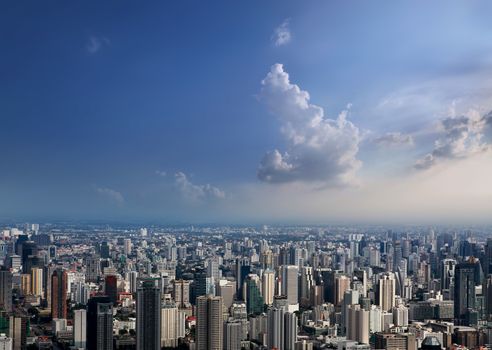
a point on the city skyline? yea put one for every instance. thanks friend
(249, 113)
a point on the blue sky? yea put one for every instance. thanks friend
(246, 111)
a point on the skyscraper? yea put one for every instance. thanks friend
(37, 281)
(59, 294)
(182, 293)
(342, 284)
(5, 290)
(232, 335)
(386, 292)
(464, 291)
(169, 325)
(290, 283)
(148, 314)
(276, 331)
(268, 286)
(79, 329)
(99, 323)
(18, 332)
(209, 326)
(358, 324)
(290, 323)
(111, 287)
(254, 300)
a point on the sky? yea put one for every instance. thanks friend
(246, 111)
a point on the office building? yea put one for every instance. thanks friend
(209, 323)
(59, 285)
(99, 323)
(149, 314)
(79, 329)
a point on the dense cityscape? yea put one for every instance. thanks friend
(66, 286)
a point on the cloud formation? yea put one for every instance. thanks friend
(161, 173)
(281, 35)
(95, 44)
(196, 193)
(394, 139)
(461, 137)
(113, 195)
(320, 149)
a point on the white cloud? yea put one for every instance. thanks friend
(391, 139)
(281, 35)
(461, 137)
(95, 44)
(161, 173)
(196, 193)
(111, 194)
(320, 150)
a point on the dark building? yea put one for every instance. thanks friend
(29, 252)
(5, 290)
(464, 291)
(111, 288)
(59, 287)
(431, 343)
(254, 300)
(148, 314)
(99, 323)
(104, 250)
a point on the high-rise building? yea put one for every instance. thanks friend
(232, 335)
(386, 292)
(93, 268)
(111, 287)
(148, 314)
(182, 293)
(18, 332)
(209, 326)
(99, 323)
(169, 325)
(227, 290)
(59, 285)
(127, 246)
(342, 284)
(37, 281)
(6, 343)
(290, 282)
(268, 286)
(290, 324)
(105, 250)
(29, 251)
(79, 329)
(395, 341)
(358, 324)
(464, 291)
(253, 298)
(25, 284)
(6, 290)
(276, 331)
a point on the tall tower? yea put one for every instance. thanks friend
(111, 287)
(290, 283)
(290, 322)
(37, 281)
(254, 300)
(99, 323)
(275, 321)
(6, 290)
(18, 332)
(268, 286)
(464, 291)
(59, 281)
(182, 293)
(209, 326)
(169, 325)
(386, 292)
(149, 314)
(79, 328)
(342, 284)
(358, 324)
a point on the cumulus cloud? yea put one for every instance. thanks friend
(196, 193)
(161, 173)
(394, 139)
(461, 137)
(95, 44)
(113, 195)
(281, 35)
(319, 150)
